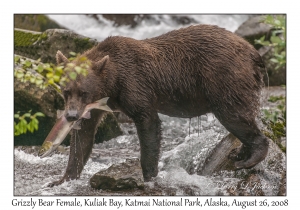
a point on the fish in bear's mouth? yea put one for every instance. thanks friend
(62, 126)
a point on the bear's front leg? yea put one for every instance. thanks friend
(149, 132)
(81, 145)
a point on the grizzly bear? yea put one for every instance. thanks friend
(183, 73)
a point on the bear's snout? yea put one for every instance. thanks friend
(72, 115)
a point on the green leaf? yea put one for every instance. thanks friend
(274, 60)
(59, 69)
(49, 75)
(73, 54)
(32, 79)
(83, 59)
(269, 19)
(70, 65)
(16, 115)
(266, 43)
(38, 81)
(27, 63)
(39, 114)
(17, 59)
(56, 78)
(78, 69)
(40, 68)
(30, 127)
(27, 115)
(48, 68)
(19, 75)
(277, 22)
(73, 75)
(36, 126)
(275, 39)
(20, 128)
(51, 81)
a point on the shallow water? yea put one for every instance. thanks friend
(181, 156)
(180, 152)
(90, 27)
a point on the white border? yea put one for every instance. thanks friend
(153, 6)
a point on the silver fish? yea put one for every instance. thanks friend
(62, 127)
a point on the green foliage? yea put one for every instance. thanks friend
(277, 39)
(279, 113)
(48, 74)
(26, 122)
(25, 39)
(83, 43)
(275, 120)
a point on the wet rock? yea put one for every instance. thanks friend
(251, 186)
(282, 187)
(253, 29)
(183, 19)
(277, 131)
(277, 91)
(128, 19)
(37, 45)
(276, 77)
(34, 22)
(266, 178)
(218, 158)
(124, 176)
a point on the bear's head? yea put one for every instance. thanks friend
(84, 89)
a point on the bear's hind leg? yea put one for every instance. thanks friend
(149, 133)
(255, 144)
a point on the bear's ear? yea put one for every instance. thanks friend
(60, 58)
(99, 65)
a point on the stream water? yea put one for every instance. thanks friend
(185, 143)
(181, 152)
(159, 24)
(181, 156)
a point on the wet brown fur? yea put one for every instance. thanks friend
(183, 73)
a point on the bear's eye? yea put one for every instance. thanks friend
(66, 93)
(83, 94)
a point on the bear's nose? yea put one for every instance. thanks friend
(72, 115)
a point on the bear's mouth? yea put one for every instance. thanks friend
(62, 126)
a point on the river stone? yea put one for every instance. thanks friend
(276, 77)
(218, 159)
(266, 178)
(253, 29)
(123, 176)
(44, 46)
(35, 22)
